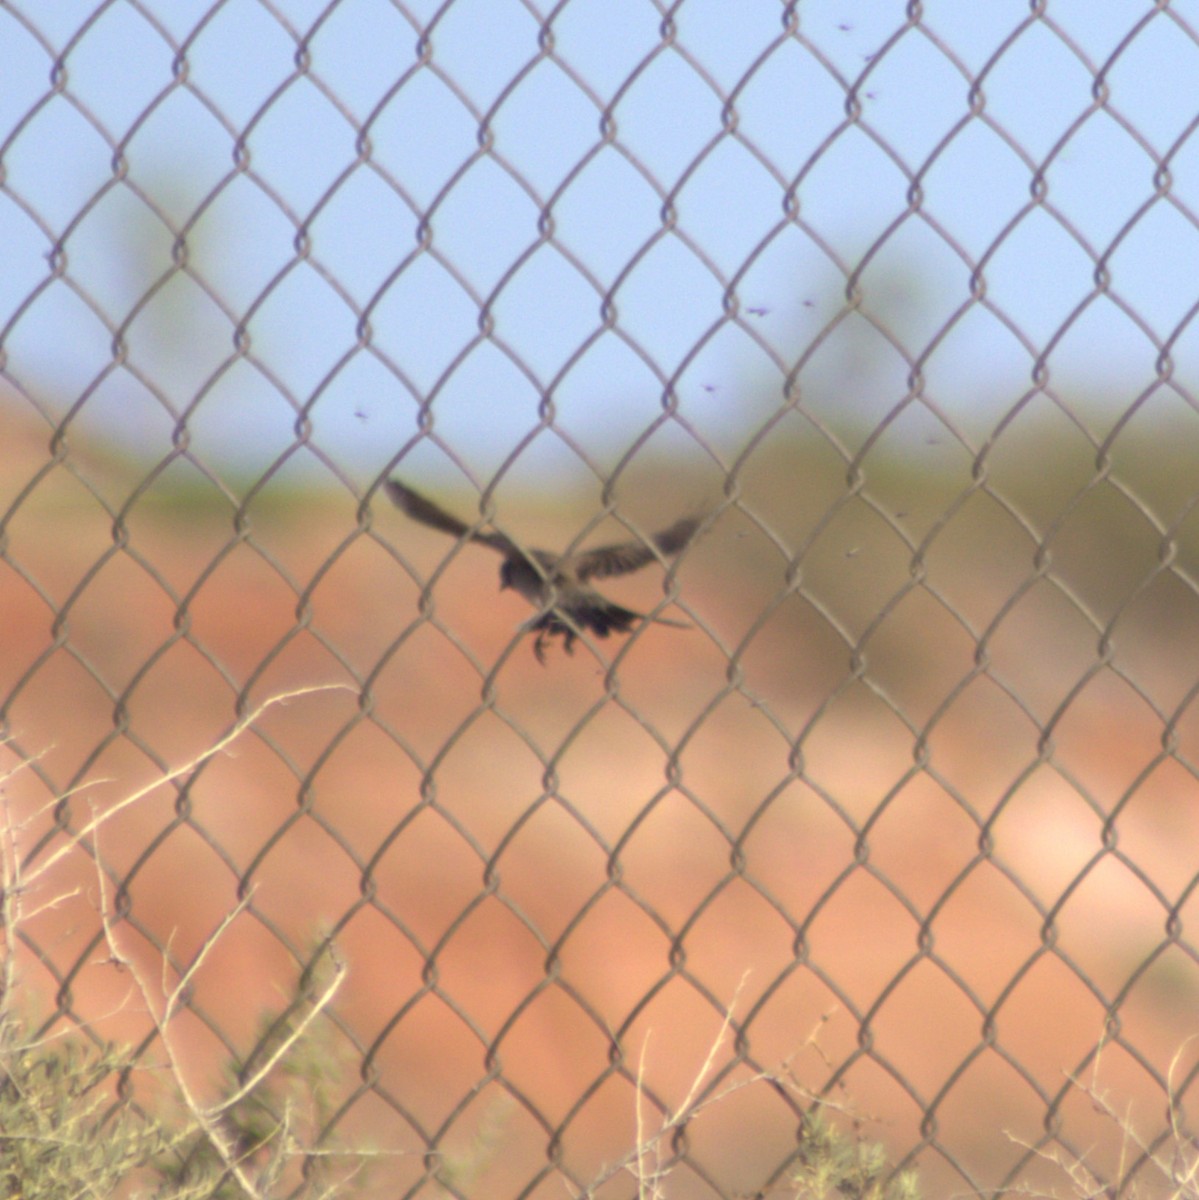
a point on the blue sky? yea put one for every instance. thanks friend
(303, 208)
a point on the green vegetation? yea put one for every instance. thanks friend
(63, 1135)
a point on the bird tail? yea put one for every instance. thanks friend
(600, 619)
(616, 616)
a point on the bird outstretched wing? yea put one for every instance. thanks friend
(623, 557)
(416, 506)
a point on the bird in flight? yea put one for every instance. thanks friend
(557, 584)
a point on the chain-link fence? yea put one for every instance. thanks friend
(896, 300)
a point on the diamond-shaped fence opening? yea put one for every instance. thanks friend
(896, 301)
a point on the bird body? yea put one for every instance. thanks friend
(556, 584)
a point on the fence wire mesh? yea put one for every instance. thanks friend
(897, 299)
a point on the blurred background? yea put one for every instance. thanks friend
(901, 298)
